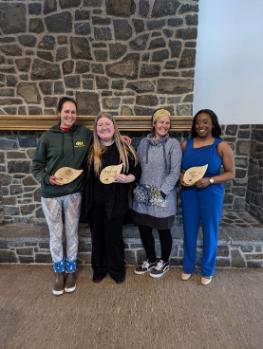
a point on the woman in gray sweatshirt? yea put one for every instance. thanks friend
(154, 204)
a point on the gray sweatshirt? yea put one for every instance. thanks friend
(160, 162)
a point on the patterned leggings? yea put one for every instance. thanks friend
(63, 213)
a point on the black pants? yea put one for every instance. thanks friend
(107, 244)
(149, 244)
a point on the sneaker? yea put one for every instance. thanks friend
(205, 280)
(70, 284)
(58, 287)
(185, 276)
(160, 269)
(144, 267)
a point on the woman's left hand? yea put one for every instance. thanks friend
(203, 183)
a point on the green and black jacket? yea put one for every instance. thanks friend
(57, 149)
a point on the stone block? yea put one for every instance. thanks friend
(138, 25)
(36, 25)
(191, 20)
(88, 103)
(176, 261)
(160, 55)
(72, 81)
(82, 67)
(25, 259)
(11, 210)
(29, 91)
(174, 86)
(164, 8)
(149, 71)
(175, 47)
(13, 18)
(102, 33)
(140, 42)
(24, 251)
(7, 256)
(130, 257)
(148, 100)
(117, 50)
(84, 258)
(141, 86)
(59, 22)
(237, 258)
(45, 71)
(43, 258)
(254, 256)
(187, 59)
(27, 209)
(69, 3)
(46, 87)
(127, 68)
(223, 262)
(223, 251)
(50, 6)
(120, 8)
(84, 246)
(255, 264)
(175, 22)
(80, 48)
(19, 166)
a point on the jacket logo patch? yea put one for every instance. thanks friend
(79, 144)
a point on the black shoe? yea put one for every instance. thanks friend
(118, 279)
(98, 277)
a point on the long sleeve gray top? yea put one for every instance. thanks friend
(160, 163)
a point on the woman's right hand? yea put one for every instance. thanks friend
(53, 181)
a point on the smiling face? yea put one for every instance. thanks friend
(203, 125)
(105, 129)
(162, 126)
(68, 115)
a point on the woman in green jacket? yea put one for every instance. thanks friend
(64, 145)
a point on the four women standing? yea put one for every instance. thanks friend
(154, 204)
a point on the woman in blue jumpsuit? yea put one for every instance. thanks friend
(202, 202)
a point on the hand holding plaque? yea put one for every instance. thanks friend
(193, 174)
(108, 174)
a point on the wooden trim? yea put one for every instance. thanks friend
(125, 123)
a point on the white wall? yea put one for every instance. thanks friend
(229, 66)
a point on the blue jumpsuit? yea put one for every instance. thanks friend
(202, 207)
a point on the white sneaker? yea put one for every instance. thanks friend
(145, 267)
(205, 280)
(185, 276)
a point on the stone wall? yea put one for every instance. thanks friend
(127, 57)
(254, 196)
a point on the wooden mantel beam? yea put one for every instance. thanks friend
(125, 123)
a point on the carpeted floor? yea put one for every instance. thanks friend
(142, 313)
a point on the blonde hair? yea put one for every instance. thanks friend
(97, 148)
(158, 114)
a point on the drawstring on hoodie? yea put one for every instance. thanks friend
(151, 141)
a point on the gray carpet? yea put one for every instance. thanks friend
(142, 313)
